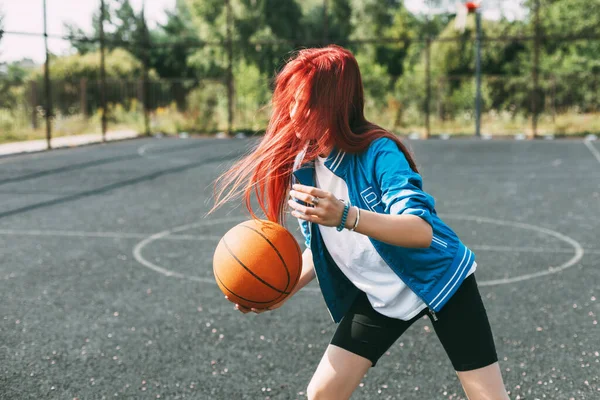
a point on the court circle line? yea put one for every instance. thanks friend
(521, 225)
(137, 250)
(578, 249)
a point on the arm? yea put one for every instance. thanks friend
(407, 217)
(404, 230)
(307, 274)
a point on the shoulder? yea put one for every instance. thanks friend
(385, 150)
(381, 144)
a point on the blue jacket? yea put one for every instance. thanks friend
(381, 180)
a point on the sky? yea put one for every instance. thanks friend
(27, 16)
(492, 9)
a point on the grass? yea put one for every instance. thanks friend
(15, 126)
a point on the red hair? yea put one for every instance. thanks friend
(332, 115)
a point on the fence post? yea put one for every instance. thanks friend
(478, 74)
(535, 70)
(554, 99)
(83, 96)
(102, 72)
(230, 83)
(33, 101)
(428, 88)
(49, 111)
(145, 80)
(325, 22)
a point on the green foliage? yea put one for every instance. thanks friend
(79, 75)
(376, 81)
(121, 25)
(12, 84)
(171, 60)
(265, 32)
(119, 63)
(125, 29)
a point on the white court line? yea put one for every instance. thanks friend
(170, 234)
(131, 235)
(550, 270)
(594, 150)
(26, 156)
(142, 149)
(137, 252)
(99, 235)
(513, 249)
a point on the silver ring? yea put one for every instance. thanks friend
(315, 200)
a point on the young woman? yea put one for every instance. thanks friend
(382, 256)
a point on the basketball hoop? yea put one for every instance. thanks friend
(462, 10)
(471, 6)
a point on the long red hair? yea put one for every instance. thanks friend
(333, 115)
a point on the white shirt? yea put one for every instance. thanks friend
(358, 260)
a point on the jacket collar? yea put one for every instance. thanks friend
(335, 160)
(304, 171)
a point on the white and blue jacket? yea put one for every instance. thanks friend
(381, 180)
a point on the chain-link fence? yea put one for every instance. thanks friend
(525, 76)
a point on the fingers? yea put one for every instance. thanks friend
(242, 309)
(303, 209)
(313, 191)
(246, 310)
(309, 218)
(305, 197)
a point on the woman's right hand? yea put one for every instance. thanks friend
(245, 310)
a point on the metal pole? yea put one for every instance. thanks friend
(34, 103)
(49, 111)
(102, 71)
(535, 70)
(428, 88)
(230, 83)
(325, 22)
(83, 96)
(478, 74)
(145, 83)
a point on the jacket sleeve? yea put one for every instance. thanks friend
(401, 187)
(305, 231)
(304, 225)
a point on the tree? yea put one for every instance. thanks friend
(172, 44)
(569, 70)
(123, 28)
(11, 84)
(123, 70)
(253, 21)
(167, 47)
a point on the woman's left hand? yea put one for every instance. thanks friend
(327, 208)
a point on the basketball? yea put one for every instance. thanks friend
(257, 264)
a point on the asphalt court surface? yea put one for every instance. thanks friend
(107, 290)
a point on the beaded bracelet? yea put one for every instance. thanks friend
(344, 217)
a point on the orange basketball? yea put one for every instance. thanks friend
(257, 263)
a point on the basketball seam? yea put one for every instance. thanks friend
(276, 251)
(243, 298)
(300, 260)
(248, 269)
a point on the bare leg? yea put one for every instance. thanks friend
(337, 375)
(484, 383)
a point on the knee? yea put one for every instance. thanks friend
(316, 391)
